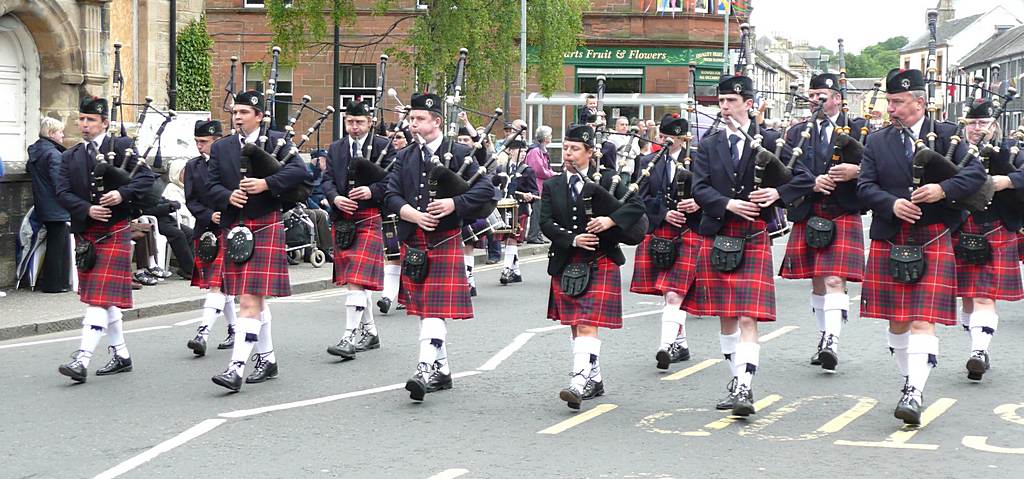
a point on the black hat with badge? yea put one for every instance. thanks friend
(208, 128)
(463, 131)
(427, 101)
(899, 80)
(982, 109)
(516, 145)
(356, 108)
(673, 125)
(581, 134)
(93, 105)
(824, 81)
(251, 98)
(736, 84)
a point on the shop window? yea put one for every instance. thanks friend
(673, 6)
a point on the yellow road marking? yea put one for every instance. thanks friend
(839, 422)
(578, 419)
(898, 439)
(778, 332)
(696, 368)
(759, 405)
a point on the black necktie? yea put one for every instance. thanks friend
(823, 141)
(908, 145)
(734, 151)
(573, 181)
(90, 149)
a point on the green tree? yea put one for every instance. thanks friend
(195, 81)
(876, 60)
(488, 29)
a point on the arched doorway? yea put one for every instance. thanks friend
(19, 85)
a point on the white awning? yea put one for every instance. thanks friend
(611, 99)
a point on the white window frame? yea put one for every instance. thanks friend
(259, 3)
(284, 74)
(663, 6)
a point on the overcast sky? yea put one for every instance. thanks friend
(859, 24)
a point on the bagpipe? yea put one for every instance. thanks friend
(930, 166)
(261, 163)
(363, 171)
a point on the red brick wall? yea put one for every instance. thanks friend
(244, 33)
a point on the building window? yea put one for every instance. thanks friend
(357, 80)
(673, 6)
(253, 77)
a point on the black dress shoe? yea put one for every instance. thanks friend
(416, 386)
(472, 291)
(367, 342)
(228, 342)
(159, 273)
(262, 370)
(909, 408)
(744, 405)
(816, 359)
(144, 279)
(74, 369)
(198, 343)
(674, 354)
(117, 364)
(728, 401)
(229, 378)
(438, 381)
(977, 365)
(593, 389)
(506, 276)
(572, 397)
(344, 349)
(384, 305)
(515, 278)
(828, 358)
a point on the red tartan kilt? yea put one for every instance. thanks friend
(445, 291)
(1020, 245)
(208, 275)
(109, 282)
(933, 299)
(749, 290)
(647, 279)
(266, 271)
(843, 258)
(600, 306)
(1000, 278)
(362, 263)
(524, 220)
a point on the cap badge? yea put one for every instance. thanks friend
(905, 83)
(738, 88)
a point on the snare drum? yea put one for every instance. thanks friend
(778, 225)
(472, 233)
(392, 250)
(508, 213)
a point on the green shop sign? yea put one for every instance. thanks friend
(638, 56)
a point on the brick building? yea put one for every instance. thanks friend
(642, 46)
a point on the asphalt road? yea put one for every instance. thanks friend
(325, 418)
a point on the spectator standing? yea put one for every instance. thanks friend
(43, 166)
(537, 159)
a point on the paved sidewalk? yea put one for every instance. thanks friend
(26, 313)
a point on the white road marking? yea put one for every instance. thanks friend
(151, 453)
(188, 322)
(505, 352)
(642, 313)
(325, 399)
(547, 328)
(74, 338)
(450, 474)
(778, 332)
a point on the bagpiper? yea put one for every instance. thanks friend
(100, 213)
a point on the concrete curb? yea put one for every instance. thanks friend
(192, 303)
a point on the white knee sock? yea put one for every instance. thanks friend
(983, 327)
(512, 258)
(922, 353)
(355, 305)
(470, 261)
(392, 276)
(898, 347)
(115, 331)
(213, 305)
(265, 343)
(247, 332)
(673, 327)
(368, 325)
(585, 351)
(818, 308)
(728, 343)
(229, 309)
(433, 333)
(94, 326)
(747, 359)
(835, 307)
